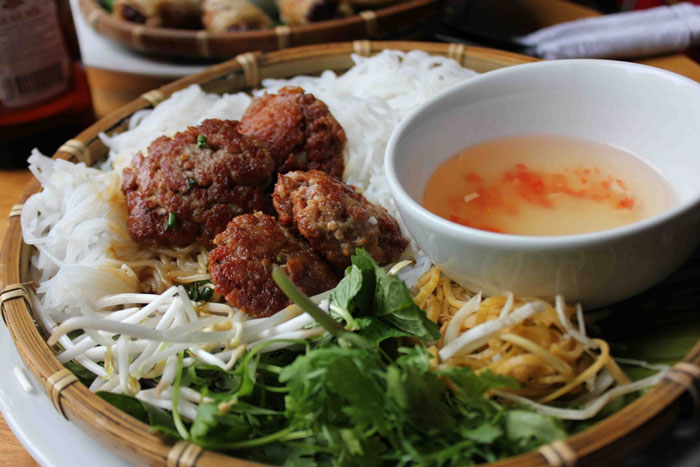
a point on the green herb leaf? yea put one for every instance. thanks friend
(191, 182)
(417, 391)
(181, 429)
(393, 302)
(172, 221)
(470, 385)
(346, 376)
(211, 428)
(206, 293)
(355, 292)
(323, 318)
(532, 426)
(128, 404)
(486, 433)
(377, 330)
(304, 302)
(201, 141)
(161, 420)
(156, 418)
(200, 291)
(85, 376)
(107, 5)
(367, 290)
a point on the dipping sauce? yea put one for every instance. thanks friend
(545, 185)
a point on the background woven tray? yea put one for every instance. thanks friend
(392, 22)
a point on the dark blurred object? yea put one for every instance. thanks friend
(492, 23)
(644, 4)
(44, 94)
(603, 6)
(516, 26)
(496, 23)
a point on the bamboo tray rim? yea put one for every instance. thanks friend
(132, 440)
(96, 17)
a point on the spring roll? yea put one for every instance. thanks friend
(233, 15)
(296, 12)
(160, 13)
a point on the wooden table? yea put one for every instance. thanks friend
(110, 90)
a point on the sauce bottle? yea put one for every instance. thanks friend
(44, 94)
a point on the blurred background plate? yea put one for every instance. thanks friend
(398, 21)
(103, 53)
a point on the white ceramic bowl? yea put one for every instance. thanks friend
(649, 112)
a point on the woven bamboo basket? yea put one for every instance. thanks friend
(392, 22)
(603, 444)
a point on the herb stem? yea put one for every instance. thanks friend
(181, 429)
(287, 434)
(301, 434)
(305, 303)
(326, 321)
(351, 323)
(274, 369)
(279, 390)
(172, 221)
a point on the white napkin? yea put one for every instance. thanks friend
(632, 34)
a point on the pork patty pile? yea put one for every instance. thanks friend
(190, 186)
(211, 184)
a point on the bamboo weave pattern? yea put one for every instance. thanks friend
(371, 24)
(77, 149)
(57, 383)
(16, 210)
(250, 67)
(183, 454)
(11, 292)
(687, 375)
(559, 454)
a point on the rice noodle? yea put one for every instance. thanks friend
(456, 322)
(592, 407)
(642, 364)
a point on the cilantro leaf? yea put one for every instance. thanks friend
(128, 404)
(393, 302)
(211, 428)
(471, 385)
(348, 291)
(532, 429)
(367, 290)
(155, 417)
(377, 330)
(85, 376)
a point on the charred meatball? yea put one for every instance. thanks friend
(190, 186)
(335, 218)
(241, 264)
(298, 130)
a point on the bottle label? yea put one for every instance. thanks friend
(34, 61)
